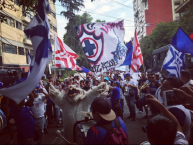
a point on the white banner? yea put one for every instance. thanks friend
(103, 44)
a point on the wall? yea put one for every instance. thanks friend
(158, 11)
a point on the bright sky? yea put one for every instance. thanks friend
(111, 8)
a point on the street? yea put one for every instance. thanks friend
(135, 133)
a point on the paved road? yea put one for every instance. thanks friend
(135, 133)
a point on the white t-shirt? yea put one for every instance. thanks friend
(188, 83)
(180, 139)
(126, 90)
(38, 106)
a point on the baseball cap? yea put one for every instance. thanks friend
(118, 83)
(102, 106)
(38, 87)
(128, 75)
(106, 78)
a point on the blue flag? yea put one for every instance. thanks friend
(182, 42)
(38, 31)
(85, 70)
(128, 58)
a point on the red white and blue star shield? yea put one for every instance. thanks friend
(103, 44)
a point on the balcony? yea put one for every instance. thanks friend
(49, 18)
(182, 6)
(27, 41)
(143, 0)
(25, 19)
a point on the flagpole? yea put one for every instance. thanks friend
(54, 54)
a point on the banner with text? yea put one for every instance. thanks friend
(103, 44)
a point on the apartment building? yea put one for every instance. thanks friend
(181, 6)
(14, 44)
(148, 13)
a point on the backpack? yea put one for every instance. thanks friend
(116, 135)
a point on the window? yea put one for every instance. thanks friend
(9, 49)
(9, 21)
(146, 4)
(21, 50)
(16, 2)
(18, 25)
(24, 25)
(53, 14)
(51, 26)
(52, 41)
(55, 29)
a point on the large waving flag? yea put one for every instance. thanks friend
(182, 42)
(103, 44)
(174, 60)
(38, 32)
(173, 63)
(65, 57)
(137, 58)
(128, 58)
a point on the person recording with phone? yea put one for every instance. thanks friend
(164, 129)
(179, 111)
(38, 110)
(187, 92)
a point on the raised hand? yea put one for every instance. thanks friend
(186, 92)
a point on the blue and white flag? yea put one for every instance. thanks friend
(38, 32)
(103, 44)
(128, 58)
(173, 63)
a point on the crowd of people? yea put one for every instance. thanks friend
(165, 124)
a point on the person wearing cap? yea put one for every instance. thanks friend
(115, 99)
(38, 109)
(129, 88)
(102, 114)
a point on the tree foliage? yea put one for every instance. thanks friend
(71, 39)
(163, 33)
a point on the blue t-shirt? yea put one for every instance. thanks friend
(154, 88)
(24, 121)
(115, 96)
(96, 134)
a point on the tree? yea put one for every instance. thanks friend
(71, 39)
(186, 20)
(164, 32)
(100, 20)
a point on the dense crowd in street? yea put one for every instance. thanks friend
(167, 123)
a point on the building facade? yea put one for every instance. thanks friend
(14, 44)
(182, 5)
(148, 13)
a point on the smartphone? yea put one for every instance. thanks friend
(170, 98)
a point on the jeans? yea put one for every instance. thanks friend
(49, 111)
(57, 114)
(45, 123)
(131, 105)
(40, 126)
